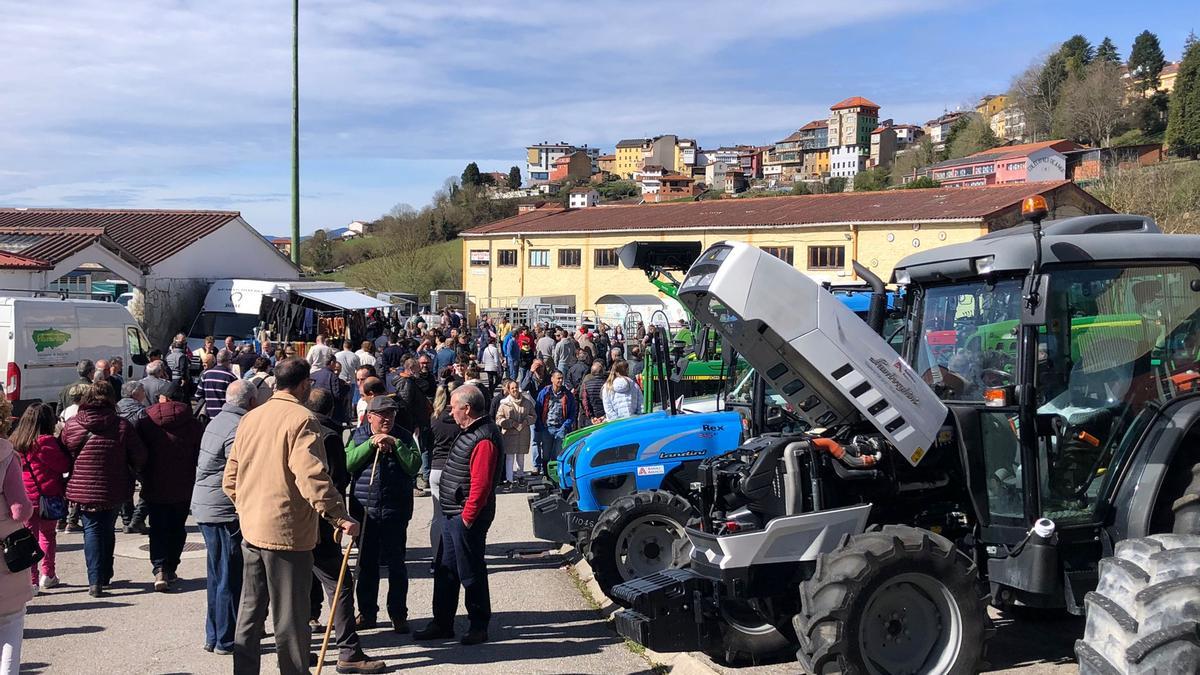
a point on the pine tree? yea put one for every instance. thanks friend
(1146, 61)
(470, 175)
(514, 178)
(1183, 120)
(1190, 40)
(1107, 51)
(1077, 53)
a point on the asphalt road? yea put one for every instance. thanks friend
(541, 624)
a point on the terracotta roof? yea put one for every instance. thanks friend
(854, 102)
(602, 158)
(815, 124)
(13, 261)
(881, 128)
(150, 236)
(1026, 148)
(1169, 69)
(768, 212)
(50, 244)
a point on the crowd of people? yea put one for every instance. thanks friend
(278, 456)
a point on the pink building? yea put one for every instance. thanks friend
(1024, 163)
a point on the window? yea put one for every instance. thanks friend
(784, 253)
(605, 257)
(569, 257)
(826, 257)
(539, 258)
(481, 258)
(506, 257)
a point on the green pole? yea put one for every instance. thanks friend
(296, 131)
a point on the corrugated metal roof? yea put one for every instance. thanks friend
(47, 243)
(151, 236)
(766, 212)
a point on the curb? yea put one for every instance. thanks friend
(680, 663)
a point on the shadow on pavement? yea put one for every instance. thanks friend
(35, 633)
(1028, 637)
(515, 636)
(34, 608)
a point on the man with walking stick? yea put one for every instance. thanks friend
(276, 478)
(467, 493)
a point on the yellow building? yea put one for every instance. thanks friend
(629, 157)
(573, 252)
(991, 108)
(1166, 79)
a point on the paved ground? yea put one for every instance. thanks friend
(542, 624)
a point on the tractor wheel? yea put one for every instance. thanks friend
(1144, 616)
(1187, 507)
(747, 639)
(896, 600)
(638, 535)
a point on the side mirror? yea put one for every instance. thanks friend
(1037, 315)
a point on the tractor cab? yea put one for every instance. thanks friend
(1055, 346)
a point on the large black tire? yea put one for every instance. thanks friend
(896, 600)
(1187, 507)
(1144, 616)
(747, 639)
(659, 517)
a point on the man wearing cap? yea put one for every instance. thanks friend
(384, 460)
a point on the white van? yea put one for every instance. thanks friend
(41, 339)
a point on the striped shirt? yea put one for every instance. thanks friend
(213, 384)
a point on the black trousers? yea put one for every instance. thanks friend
(327, 564)
(384, 541)
(168, 533)
(460, 561)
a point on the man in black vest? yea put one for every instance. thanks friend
(467, 493)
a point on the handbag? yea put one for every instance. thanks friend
(21, 550)
(50, 508)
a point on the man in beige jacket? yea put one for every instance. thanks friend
(276, 478)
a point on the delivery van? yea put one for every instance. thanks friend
(41, 339)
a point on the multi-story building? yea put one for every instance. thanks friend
(785, 159)
(850, 125)
(649, 178)
(674, 186)
(938, 129)
(540, 158)
(685, 155)
(1025, 163)
(582, 198)
(661, 150)
(907, 135)
(814, 144)
(883, 145)
(606, 163)
(714, 174)
(751, 163)
(1014, 124)
(1166, 79)
(629, 157)
(576, 166)
(991, 108)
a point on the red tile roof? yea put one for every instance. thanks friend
(815, 124)
(51, 244)
(149, 235)
(854, 102)
(770, 212)
(13, 261)
(1025, 148)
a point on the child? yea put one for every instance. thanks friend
(14, 590)
(44, 461)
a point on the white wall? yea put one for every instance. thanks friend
(235, 251)
(1046, 164)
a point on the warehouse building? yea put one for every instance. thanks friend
(550, 251)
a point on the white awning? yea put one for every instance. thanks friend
(342, 298)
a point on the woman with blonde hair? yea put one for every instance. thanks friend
(622, 396)
(515, 417)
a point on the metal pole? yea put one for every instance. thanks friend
(296, 131)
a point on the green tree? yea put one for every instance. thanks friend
(921, 182)
(835, 184)
(1183, 119)
(801, 188)
(871, 180)
(1190, 40)
(1107, 52)
(969, 135)
(317, 251)
(1077, 53)
(471, 175)
(514, 178)
(1146, 61)
(1150, 115)
(917, 157)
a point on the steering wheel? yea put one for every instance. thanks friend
(951, 386)
(994, 377)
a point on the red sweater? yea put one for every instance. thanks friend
(485, 465)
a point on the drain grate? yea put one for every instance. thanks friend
(188, 547)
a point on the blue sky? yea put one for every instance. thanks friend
(187, 103)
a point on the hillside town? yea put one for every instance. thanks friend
(873, 394)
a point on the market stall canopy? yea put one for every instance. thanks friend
(342, 298)
(631, 299)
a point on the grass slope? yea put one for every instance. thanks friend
(430, 268)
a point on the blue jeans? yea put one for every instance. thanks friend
(99, 539)
(224, 544)
(551, 444)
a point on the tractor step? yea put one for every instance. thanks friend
(549, 518)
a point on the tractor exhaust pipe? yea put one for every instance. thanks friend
(877, 311)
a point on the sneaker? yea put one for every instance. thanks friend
(222, 652)
(48, 582)
(160, 583)
(434, 632)
(361, 664)
(474, 637)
